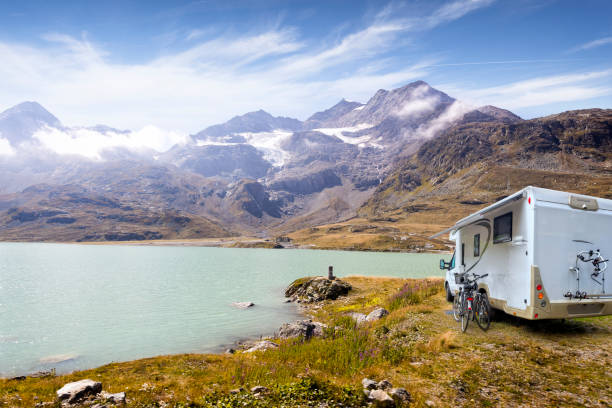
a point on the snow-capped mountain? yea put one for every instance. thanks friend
(249, 173)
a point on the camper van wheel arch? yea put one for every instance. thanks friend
(449, 296)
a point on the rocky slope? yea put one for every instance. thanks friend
(470, 166)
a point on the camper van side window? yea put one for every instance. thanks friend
(502, 228)
(477, 245)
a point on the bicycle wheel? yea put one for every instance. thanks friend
(483, 312)
(457, 306)
(465, 314)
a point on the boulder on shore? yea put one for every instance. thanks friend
(75, 391)
(316, 289)
(301, 328)
(262, 346)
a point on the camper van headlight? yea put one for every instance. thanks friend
(543, 303)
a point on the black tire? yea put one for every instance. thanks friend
(483, 312)
(466, 314)
(457, 307)
(449, 295)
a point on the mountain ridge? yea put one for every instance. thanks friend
(250, 176)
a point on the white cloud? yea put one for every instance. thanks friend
(541, 91)
(216, 78)
(418, 103)
(453, 113)
(5, 148)
(91, 143)
(592, 44)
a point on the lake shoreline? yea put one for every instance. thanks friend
(230, 243)
(157, 292)
(417, 346)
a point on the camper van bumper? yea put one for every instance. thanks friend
(559, 310)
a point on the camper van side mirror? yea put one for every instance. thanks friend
(442, 264)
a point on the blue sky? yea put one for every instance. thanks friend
(183, 66)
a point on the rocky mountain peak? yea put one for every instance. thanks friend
(18, 123)
(499, 114)
(257, 121)
(328, 116)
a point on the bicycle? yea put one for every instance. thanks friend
(469, 304)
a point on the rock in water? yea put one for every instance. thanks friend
(243, 305)
(381, 398)
(377, 314)
(75, 391)
(317, 289)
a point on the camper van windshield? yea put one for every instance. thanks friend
(502, 228)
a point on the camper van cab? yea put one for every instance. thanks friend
(545, 252)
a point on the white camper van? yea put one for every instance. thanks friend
(545, 253)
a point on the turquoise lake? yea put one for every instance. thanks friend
(73, 307)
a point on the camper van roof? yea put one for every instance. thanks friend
(542, 194)
(479, 214)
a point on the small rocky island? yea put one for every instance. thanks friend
(317, 289)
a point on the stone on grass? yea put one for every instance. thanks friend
(381, 398)
(117, 398)
(262, 346)
(384, 385)
(359, 318)
(301, 328)
(319, 329)
(259, 389)
(237, 390)
(75, 391)
(400, 395)
(377, 314)
(369, 384)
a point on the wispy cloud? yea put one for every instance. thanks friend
(218, 76)
(541, 91)
(592, 44)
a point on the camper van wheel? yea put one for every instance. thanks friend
(449, 295)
